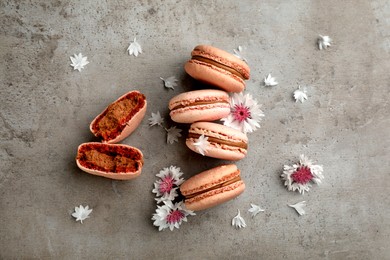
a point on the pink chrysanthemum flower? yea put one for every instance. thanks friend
(300, 176)
(245, 113)
(167, 184)
(170, 215)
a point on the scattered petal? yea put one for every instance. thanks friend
(270, 81)
(81, 213)
(202, 144)
(254, 210)
(78, 62)
(238, 221)
(134, 48)
(300, 95)
(156, 119)
(299, 207)
(173, 134)
(170, 215)
(170, 82)
(245, 113)
(324, 42)
(169, 180)
(299, 177)
(237, 53)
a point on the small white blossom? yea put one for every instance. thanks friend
(254, 210)
(81, 213)
(238, 221)
(168, 183)
(78, 61)
(134, 48)
(300, 95)
(270, 81)
(202, 144)
(170, 82)
(237, 53)
(170, 215)
(324, 42)
(299, 207)
(156, 119)
(173, 134)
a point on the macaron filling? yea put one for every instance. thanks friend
(199, 103)
(211, 139)
(113, 120)
(109, 158)
(219, 65)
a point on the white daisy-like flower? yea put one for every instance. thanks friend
(170, 82)
(169, 180)
(81, 213)
(78, 62)
(170, 215)
(254, 210)
(300, 176)
(134, 48)
(299, 207)
(202, 144)
(270, 81)
(324, 42)
(237, 53)
(245, 113)
(156, 119)
(173, 134)
(300, 94)
(238, 221)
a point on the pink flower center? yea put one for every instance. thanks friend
(166, 184)
(302, 175)
(175, 216)
(241, 113)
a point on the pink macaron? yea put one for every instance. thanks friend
(199, 105)
(217, 67)
(223, 142)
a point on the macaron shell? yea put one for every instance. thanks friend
(223, 152)
(215, 197)
(192, 114)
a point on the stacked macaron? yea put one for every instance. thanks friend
(115, 123)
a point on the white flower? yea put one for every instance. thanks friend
(254, 210)
(245, 113)
(173, 134)
(202, 144)
(169, 181)
(170, 82)
(156, 119)
(299, 176)
(238, 221)
(237, 53)
(300, 95)
(134, 48)
(170, 215)
(81, 213)
(299, 207)
(270, 81)
(78, 61)
(324, 42)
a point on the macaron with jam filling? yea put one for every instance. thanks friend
(223, 142)
(120, 118)
(212, 187)
(218, 68)
(199, 105)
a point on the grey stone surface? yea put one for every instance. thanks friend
(46, 108)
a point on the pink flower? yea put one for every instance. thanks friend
(170, 215)
(167, 185)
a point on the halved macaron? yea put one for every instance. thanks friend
(199, 105)
(223, 142)
(114, 161)
(120, 118)
(212, 187)
(217, 67)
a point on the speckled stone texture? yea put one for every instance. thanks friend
(46, 108)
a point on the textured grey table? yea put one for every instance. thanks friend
(46, 108)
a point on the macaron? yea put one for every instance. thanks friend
(223, 142)
(120, 118)
(199, 105)
(114, 161)
(218, 68)
(212, 187)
